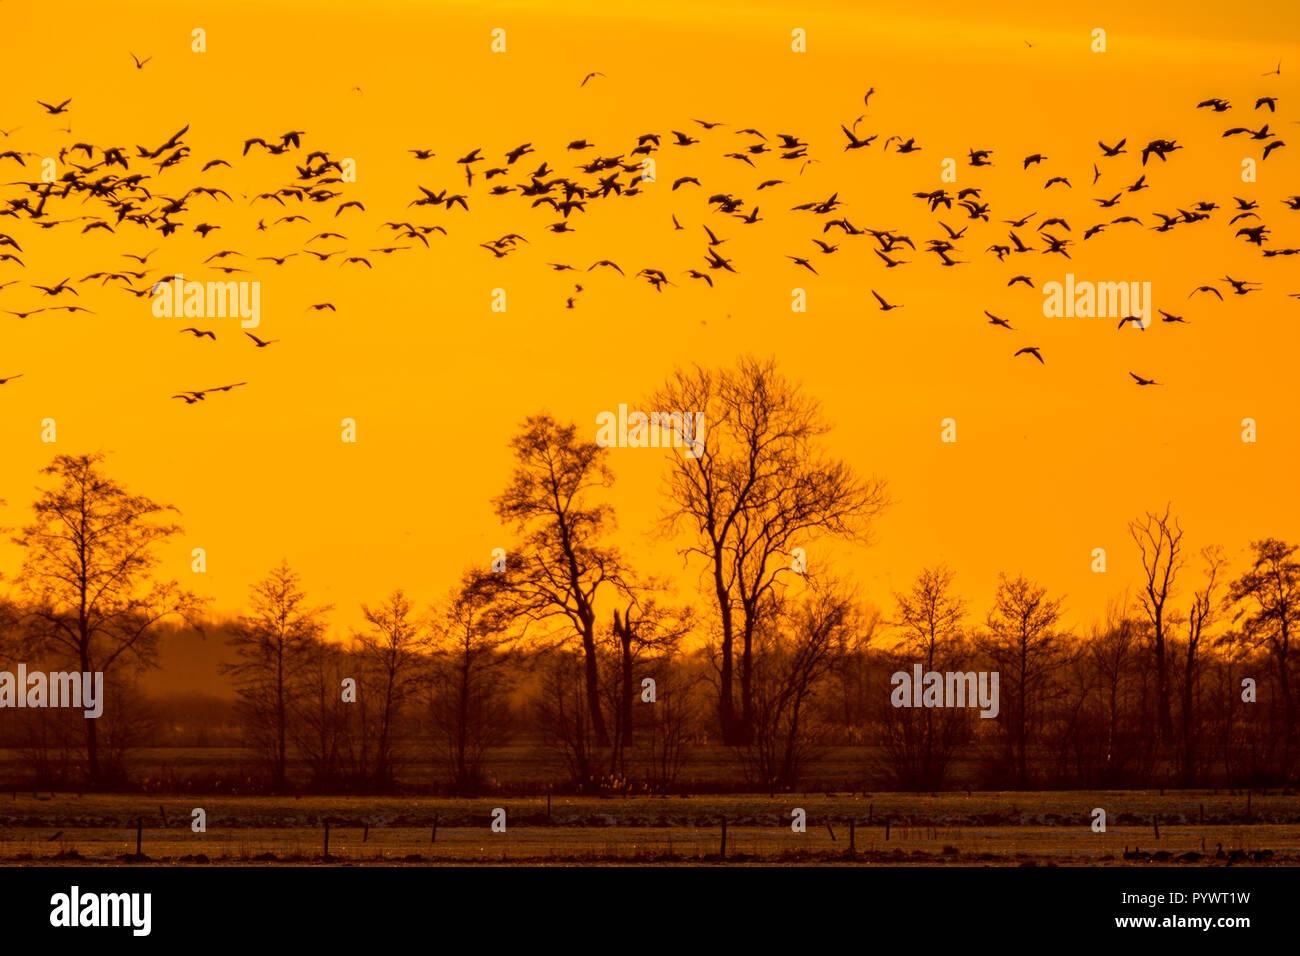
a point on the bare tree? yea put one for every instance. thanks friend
(318, 720)
(1026, 644)
(1114, 655)
(1200, 617)
(644, 626)
(389, 653)
(561, 564)
(797, 647)
(470, 653)
(1268, 608)
(273, 644)
(929, 617)
(753, 487)
(87, 577)
(1159, 538)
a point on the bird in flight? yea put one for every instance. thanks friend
(1031, 350)
(259, 342)
(200, 333)
(884, 306)
(1143, 381)
(55, 110)
(590, 76)
(6, 381)
(139, 63)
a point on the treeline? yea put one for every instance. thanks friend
(773, 669)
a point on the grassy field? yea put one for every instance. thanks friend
(1020, 828)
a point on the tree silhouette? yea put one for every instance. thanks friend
(273, 644)
(469, 649)
(758, 486)
(91, 553)
(1159, 538)
(929, 616)
(389, 654)
(1027, 646)
(1268, 600)
(562, 563)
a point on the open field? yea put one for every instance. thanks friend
(1018, 828)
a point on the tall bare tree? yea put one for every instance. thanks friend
(274, 644)
(390, 654)
(562, 563)
(1026, 643)
(470, 650)
(1200, 618)
(1159, 538)
(929, 619)
(88, 575)
(753, 487)
(1268, 608)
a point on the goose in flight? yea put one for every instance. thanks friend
(854, 141)
(55, 110)
(1143, 381)
(6, 381)
(1161, 147)
(994, 320)
(884, 306)
(259, 342)
(1031, 350)
(199, 333)
(1241, 287)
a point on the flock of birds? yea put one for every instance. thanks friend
(138, 193)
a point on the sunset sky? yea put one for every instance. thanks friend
(1051, 460)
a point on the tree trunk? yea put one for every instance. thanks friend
(726, 697)
(593, 684)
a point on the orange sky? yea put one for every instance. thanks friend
(1050, 462)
